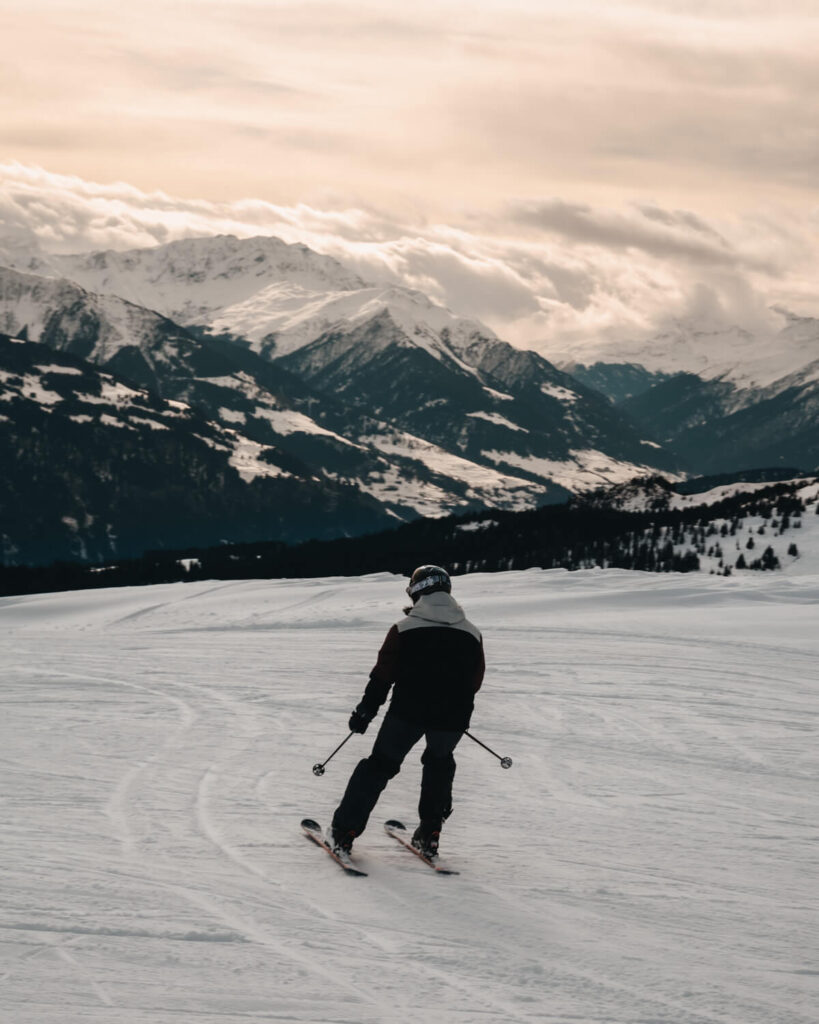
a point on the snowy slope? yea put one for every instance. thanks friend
(189, 280)
(294, 316)
(104, 329)
(746, 530)
(156, 753)
(256, 288)
(93, 468)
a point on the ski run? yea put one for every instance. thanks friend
(651, 856)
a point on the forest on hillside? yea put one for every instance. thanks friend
(578, 535)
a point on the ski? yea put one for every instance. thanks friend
(312, 830)
(398, 831)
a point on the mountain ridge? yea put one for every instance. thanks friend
(409, 327)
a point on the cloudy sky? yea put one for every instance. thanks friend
(559, 169)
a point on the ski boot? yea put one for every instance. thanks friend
(426, 837)
(341, 840)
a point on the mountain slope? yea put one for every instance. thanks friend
(781, 427)
(485, 399)
(146, 347)
(723, 398)
(94, 468)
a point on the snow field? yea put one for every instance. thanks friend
(650, 856)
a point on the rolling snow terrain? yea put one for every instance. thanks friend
(650, 856)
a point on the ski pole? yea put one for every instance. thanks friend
(318, 769)
(506, 762)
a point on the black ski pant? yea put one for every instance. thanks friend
(394, 741)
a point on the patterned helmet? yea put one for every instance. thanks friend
(427, 579)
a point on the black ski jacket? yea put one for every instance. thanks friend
(433, 659)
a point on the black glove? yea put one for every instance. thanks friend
(361, 718)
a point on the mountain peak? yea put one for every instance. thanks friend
(190, 280)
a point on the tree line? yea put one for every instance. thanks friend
(579, 535)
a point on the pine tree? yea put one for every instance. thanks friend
(769, 559)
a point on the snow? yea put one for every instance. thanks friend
(231, 415)
(583, 470)
(560, 393)
(114, 393)
(501, 396)
(57, 368)
(156, 753)
(394, 485)
(476, 525)
(30, 301)
(725, 491)
(190, 279)
(153, 424)
(288, 421)
(483, 482)
(32, 387)
(498, 420)
(112, 421)
(805, 535)
(294, 316)
(179, 408)
(711, 349)
(247, 461)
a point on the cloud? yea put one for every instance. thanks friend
(420, 103)
(196, 74)
(542, 273)
(659, 232)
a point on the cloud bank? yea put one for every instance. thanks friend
(434, 104)
(547, 273)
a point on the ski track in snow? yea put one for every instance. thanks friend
(155, 763)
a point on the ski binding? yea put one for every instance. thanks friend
(398, 830)
(312, 830)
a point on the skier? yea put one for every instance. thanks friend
(434, 661)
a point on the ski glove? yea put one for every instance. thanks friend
(360, 718)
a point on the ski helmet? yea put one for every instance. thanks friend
(428, 579)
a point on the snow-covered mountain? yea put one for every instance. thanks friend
(380, 389)
(711, 350)
(542, 424)
(194, 280)
(230, 384)
(721, 396)
(383, 389)
(105, 329)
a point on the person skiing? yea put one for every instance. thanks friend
(434, 662)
